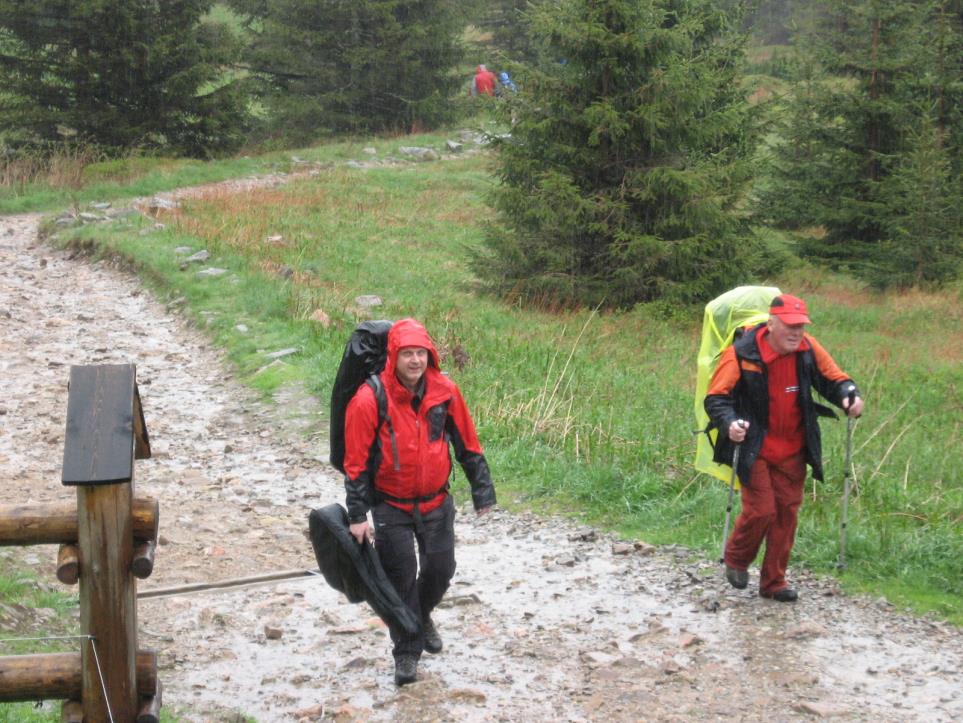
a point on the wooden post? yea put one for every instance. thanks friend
(103, 414)
(108, 679)
(71, 712)
(108, 602)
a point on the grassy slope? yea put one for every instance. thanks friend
(579, 412)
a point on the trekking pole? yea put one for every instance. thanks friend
(732, 487)
(847, 482)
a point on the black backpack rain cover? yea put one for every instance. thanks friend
(364, 355)
(354, 568)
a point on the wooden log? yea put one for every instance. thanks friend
(143, 563)
(47, 675)
(56, 523)
(68, 564)
(71, 712)
(150, 707)
(57, 676)
(108, 604)
(148, 684)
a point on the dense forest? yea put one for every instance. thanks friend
(648, 150)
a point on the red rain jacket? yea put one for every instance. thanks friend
(422, 437)
(484, 81)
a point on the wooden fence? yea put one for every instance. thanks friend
(106, 541)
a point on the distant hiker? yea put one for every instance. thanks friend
(761, 397)
(397, 464)
(506, 83)
(484, 82)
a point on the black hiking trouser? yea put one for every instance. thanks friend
(421, 581)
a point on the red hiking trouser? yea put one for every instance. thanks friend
(770, 506)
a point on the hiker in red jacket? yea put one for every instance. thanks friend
(484, 82)
(761, 396)
(399, 469)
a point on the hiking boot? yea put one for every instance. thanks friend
(737, 578)
(787, 594)
(406, 669)
(433, 642)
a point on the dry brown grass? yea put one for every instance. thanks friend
(60, 168)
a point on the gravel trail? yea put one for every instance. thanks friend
(545, 620)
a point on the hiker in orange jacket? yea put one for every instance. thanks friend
(398, 469)
(760, 396)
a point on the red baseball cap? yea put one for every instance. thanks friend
(790, 309)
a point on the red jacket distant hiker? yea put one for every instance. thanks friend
(399, 468)
(484, 82)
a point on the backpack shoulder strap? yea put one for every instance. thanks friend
(374, 381)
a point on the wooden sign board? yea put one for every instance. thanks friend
(105, 424)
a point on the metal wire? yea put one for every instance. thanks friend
(100, 674)
(93, 647)
(48, 637)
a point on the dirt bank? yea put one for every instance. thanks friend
(545, 621)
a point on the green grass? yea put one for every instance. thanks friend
(137, 176)
(580, 412)
(22, 600)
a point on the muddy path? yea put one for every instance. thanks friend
(544, 621)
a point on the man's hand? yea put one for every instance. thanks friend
(855, 409)
(737, 430)
(483, 511)
(361, 531)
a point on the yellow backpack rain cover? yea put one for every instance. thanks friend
(742, 306)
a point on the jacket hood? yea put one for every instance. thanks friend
(408, 332)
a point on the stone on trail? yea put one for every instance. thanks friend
(418, 153)
(586, 534)
(820, 710)
(367, 301)
(211, 272)
(805, 631)
(622, 548)
(272, 632)
(202, 255)
(687, 640)
(280, 353)
(644, 548)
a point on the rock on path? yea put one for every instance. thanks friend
(544, 621)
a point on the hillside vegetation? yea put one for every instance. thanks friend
(581, 412)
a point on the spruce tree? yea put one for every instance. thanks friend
(119, 73)
(628, 153)
(872, 77)
(508, 23)
(353, 65)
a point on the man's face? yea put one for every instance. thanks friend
(784, 338)
(411, 364)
